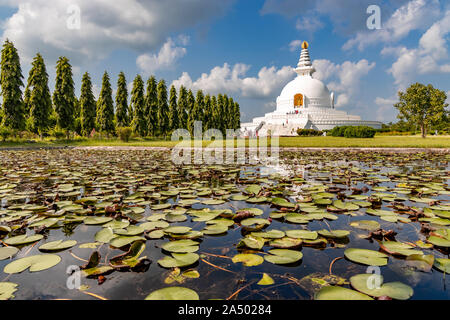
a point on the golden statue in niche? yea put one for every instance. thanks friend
(298, 100)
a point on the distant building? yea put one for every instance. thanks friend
(304, 103)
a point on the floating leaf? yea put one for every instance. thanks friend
(252, 242)
(398, 248)
(57, 245)
(7, 289)
(34, 263)
(369, 225)
(372, 285)
(7, 252)
(248, 259)
(334, 233)
(173, 293)
(23, 239)
(302, 234)
(366, 256)
(181, 246)
(96, 220)
(179, 260)
(266, 280)
(105, 235)
(283, 256)
(339, 293)
(122, 241)
(442, 264)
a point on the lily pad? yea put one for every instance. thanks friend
(7, 289)
(333, 233)
(369, 225)
(181, 246)
(266, 280)
(173, 293)
(7, 252)
(23, 239)
(372, 285)
(34, 263)
(302, 234)
(248, 259)
(283, 256)
(57, 245)
(366, 256)
(339, 293)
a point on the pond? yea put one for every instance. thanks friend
(124, 224)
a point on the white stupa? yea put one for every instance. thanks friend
(304, 103)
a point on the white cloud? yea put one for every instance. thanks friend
(430, 57)
(233, 80)
(385, 108)
(345, 78)
(309, 23)
(295, 45)
(165, 59)
(142, 26)
(415, 15)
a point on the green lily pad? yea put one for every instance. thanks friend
(442, 264)
(285, 243)
(177, 230)
(438, 241)
(7, 252)
(283, 256)
(398, 248)
(372, 285)
(369, 225)
(272, 234)
(23, 239)
(34, 263)
(7, 289)
(333, 233)
(339, 293)
(366, 256)
(122, 241)
(266, 280)
(252, 242)
(302, 234)
(57, 245)
(280, 202)
(178, 260)
(173, 293)
(96, 220)
(105, 235)
(181, 246)
(248, 259)
(345, 205)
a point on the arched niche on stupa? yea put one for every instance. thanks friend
(298, 100)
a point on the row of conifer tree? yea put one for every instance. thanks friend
(150, 111)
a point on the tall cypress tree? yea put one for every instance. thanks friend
(237, 116)
(137, 102)
(122, 116)
(197, 111)
(220, 112)
(64, 95)
(214, 114)
(105, 107)
(163, 109)
(39, 100)
(88, 107)
(182, 107)
(11, 83)
(151, 106)
(190, 108)
(230, 113)
(174, 122)
(207, 114)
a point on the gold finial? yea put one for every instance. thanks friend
(305, 45)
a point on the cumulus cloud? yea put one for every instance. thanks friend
(309, 23)
(142, 26)
(165, 59)
(233, 80)
(415, 15)
(344, 79)
(294, 45)
(430, 57)
(385, 108)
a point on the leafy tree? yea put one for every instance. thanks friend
(88, 107)
(197, 111)
(13, 112)
(173, 109)
(163, 109)
(137, 102)
(39, 100)
(182, 107)
(151, 106)
(190, 108)
(207, 114)
(237, 116)
(422, 105)
(230, 113)
(214, 114)
(122, 116)
(105, 107)
(64, 95)
(220, 119)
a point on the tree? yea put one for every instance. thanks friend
(220, 110)
(190, 107)
(230, 113)
(137, 102)
(105, 107)
(173, 110)
(13, 112)
(39, 100)
(122, 116)
(182, 107)
(237, 116)
(88, 107)
(163, 109)
(151, 107)
(64, 95)
(214, 114)
(207, 113)
(422, 105)
(196, 113)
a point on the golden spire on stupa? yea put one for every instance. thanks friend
(305, 45)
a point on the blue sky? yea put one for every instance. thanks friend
(245, 48)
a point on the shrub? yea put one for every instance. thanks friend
(5, 133)
(124, 133)
(309, 132)
(353, 132)
(57, 133)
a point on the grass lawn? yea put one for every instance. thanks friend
(305, 142)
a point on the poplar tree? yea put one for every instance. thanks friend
(214, 113)
(237, 116)
(151, 106)
(190, 108)
(122, 116)
(182, 107)
(197, 111)
(105, 107)
(87, 105)
(64, 95)
(207, 114)
(173, 110)
(39, 100)
(11, 82)
(137, 102)
(230, 113)
(163, 109)
(220, 112)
